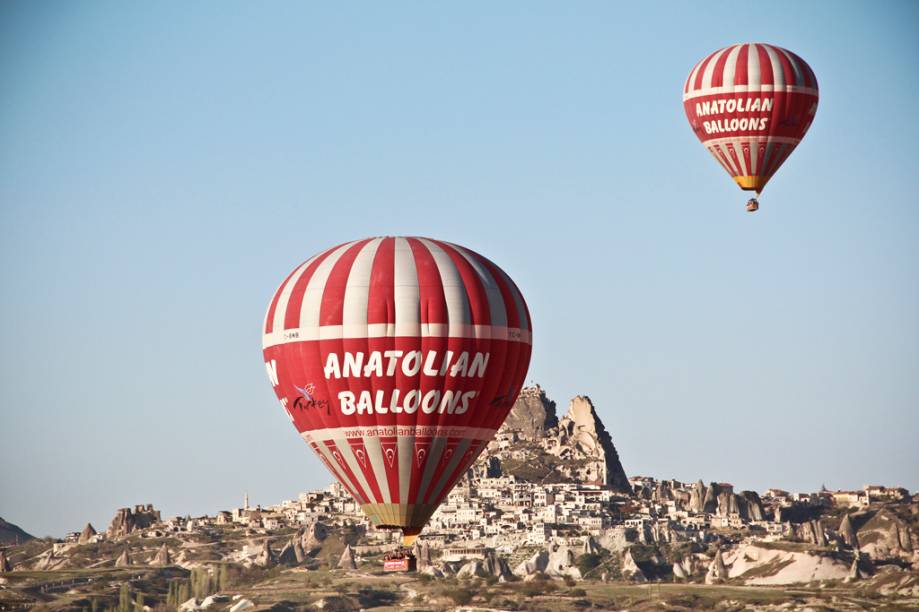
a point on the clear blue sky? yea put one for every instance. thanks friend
(164, 165)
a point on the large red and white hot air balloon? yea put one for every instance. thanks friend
(750, 105)
(397, 359)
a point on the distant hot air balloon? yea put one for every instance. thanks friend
(397, 359)
(750, 105)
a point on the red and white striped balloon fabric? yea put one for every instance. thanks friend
(397, 359)
(750, 105)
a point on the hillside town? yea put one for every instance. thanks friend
(548, 500)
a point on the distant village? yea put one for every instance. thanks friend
(504, 514)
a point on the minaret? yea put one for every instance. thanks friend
(245, 501)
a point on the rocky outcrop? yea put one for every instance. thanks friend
(127, 521)
(582, 430)
(727, 504)
(855, 571)
(760, 564)
(534, 565)
(313, 536)
(162, 557)
(847, 532)
(265, 556)
(124, 559)
(561, 563)
(885, 535)
(754, 506)
(49, 560)
(533, 444)
(630, 569)
(679, 571)
(717, 572)
(710, 502)
(87, 534)
(288, 555)
(811, 532)
(697, 497)
(532, 415)
(346, 561)
(718, 499)
(490, 566)
(5, 565)
(299, 554)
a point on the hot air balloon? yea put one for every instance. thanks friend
(397, 359)
(750, 105)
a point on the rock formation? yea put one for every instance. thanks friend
(533, 414)
(717, 572)
(582, 429)
(299, 554)
(534, 565)
(680, 571)
(727, 504)
(710, 502)
(313, 536)
(287, 556)
(562, 563)
(5, 565)
(754, 506)
(266, 557)
(697, 497)
(126, 521)
(162, 557)
(630, 569)
(533, 444)
(87, 534)
(810, 532)
(49, 561)
(848, 532)
(490, 566)
(855, 571)
(885, 535)
(124, 559)
(346, 561)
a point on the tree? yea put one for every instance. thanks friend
(587, 562)
(124, 599)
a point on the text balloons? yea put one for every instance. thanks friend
(750, 105)
(397, 359)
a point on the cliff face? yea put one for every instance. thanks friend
(533, 413)
(533, 444)
(582, 431)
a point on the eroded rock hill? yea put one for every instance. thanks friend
(535, 445)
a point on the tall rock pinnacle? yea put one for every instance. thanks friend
(533, 444)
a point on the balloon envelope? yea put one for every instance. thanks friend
(397, 359)
(750, 105)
